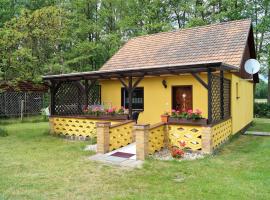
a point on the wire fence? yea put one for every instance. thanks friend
(15, 104)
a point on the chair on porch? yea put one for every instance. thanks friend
(135, 116)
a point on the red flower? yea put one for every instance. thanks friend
(177, 153)
(182, 143)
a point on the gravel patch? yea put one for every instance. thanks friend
(165, 154)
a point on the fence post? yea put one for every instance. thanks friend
(103, 137)
(207, 142)
(22, 108)
(142, 137)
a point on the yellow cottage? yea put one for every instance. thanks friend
(194, 68)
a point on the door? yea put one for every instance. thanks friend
(182, 98)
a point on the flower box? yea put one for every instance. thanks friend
(175, 120)
(112, 117)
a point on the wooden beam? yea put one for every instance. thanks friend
(86, 93)
(137, 82)
(222, 94)
(130, 92)
(53, 92)
(209, 76)
(198, 78)
(123, 83)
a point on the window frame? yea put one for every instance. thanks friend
(125, 93)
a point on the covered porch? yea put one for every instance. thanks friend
(72, 93)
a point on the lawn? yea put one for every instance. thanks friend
(35, 165)
(260, 124)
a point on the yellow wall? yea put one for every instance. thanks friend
(157, 99)
(241, 108)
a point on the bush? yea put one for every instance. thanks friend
(3, 132)
(262, 110)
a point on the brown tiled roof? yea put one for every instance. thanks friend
(223, 42)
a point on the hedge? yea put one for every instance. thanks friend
(262, 110)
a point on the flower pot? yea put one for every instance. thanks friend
(164, 118)
(173, 120)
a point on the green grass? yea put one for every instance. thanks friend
(35, 165)
(32, 119)
(261, 125)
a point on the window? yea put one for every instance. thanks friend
(182, 98)
(137, 98)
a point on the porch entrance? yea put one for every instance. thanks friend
(182, 98)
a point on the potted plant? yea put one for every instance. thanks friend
(165, 117)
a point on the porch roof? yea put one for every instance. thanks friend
(144, 71)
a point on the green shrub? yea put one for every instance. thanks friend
(3, 132)
(262, 110)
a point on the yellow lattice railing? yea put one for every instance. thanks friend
(75, 126)
(190, 134)
(221, 133)
(156, 138)
(121, 135)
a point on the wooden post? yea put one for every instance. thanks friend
(86, 91)
(142, 136)
(103, 137)
(130, 92)
(221, 94)
(53, 91)
(22, 108)
(209, 75)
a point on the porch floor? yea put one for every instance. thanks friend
(109, 158)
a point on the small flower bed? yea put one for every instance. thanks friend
(99, 110)
(178, 152)
(190, 114)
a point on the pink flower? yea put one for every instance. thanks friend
(199, 112)
(110, 110)
(190, 111)
(173, 111)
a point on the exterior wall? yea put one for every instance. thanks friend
(157, 99)
(241, 108)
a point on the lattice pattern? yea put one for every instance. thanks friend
(216, 111)
(75, 126)
(216, 98)
(121, 135)
(227, 98)
(70, 98)
(94, 95)
(156, 139)
(192, 135)
(11, 103)
(221, 133)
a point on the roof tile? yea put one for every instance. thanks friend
(223, 42)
